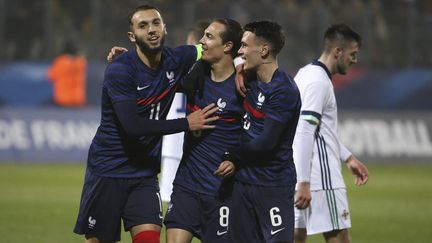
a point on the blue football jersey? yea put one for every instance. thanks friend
(278, 100)
(203, 150)
(114, 154)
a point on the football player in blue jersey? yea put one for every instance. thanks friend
(124, 157)
(263, 193)
(172, 145)
(200, 203)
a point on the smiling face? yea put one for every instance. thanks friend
(347, 57)
(212, 43)
(147, 31)
(250, 50)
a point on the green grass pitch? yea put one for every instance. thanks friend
(39, 203)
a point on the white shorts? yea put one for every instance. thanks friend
(327, 211)
(167, 176)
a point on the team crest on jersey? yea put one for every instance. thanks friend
(91, 223)
(221, 104)
(345, 214)
(170, 76)
(261, 99)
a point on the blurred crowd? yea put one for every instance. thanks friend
(396, 33)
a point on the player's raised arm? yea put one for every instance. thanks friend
(240, 78)
(115, 51)
(194, 80)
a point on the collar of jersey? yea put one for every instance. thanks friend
(318, 63)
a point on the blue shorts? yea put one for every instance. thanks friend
(106, 201)
(206, 217)
(262, 214)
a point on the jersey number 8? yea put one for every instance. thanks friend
(223, 213)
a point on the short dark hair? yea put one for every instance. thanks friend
(140, 8)
(340, 34)
(233, 32)
(270, 32)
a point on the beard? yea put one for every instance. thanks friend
(146, 49)
(341, 67)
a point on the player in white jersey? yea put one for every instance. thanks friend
(321, 201)
(172, 149)
(172, 146)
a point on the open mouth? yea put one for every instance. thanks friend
(154, 39)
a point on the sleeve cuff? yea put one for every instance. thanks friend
(199, 51)
(311, 116)
(344, 153)
(238, 61)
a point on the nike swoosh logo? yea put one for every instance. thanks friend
(274, 232)
(143, 87)
(219, 233)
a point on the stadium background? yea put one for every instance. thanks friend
(385, 103)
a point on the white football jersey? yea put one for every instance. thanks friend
(172, 145)
(319, 107)
(172, 149)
